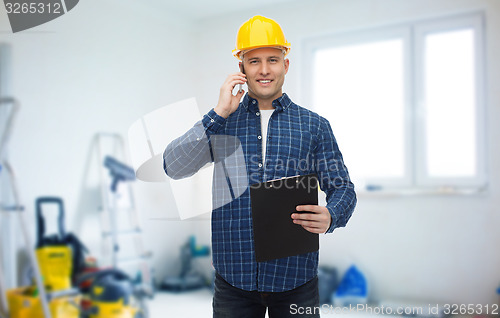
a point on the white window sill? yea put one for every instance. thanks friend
(436, 191)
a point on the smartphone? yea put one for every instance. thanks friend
(242, 69)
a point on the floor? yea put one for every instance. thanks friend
(198, 304)
(195, 304)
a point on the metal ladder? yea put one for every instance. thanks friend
(117, 201)
(10, 106)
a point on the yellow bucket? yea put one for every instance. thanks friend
(24, 305)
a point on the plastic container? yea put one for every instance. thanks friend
(498, 293)
(352, 290)
(22, 304)
(327, 283)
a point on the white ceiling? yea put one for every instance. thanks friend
(201, 9)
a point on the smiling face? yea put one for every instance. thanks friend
(265, 69)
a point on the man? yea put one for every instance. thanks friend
(278, 139)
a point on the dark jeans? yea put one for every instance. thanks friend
(232, 302)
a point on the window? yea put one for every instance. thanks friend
(405, 102)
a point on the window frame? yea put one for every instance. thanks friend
(476, 23)
(413, 35)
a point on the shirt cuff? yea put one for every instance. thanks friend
(213, 122)
(333, 221)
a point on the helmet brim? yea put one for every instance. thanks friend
(239, 52)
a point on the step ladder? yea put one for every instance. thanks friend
(119, 216)
(8, 109)
(4, 308)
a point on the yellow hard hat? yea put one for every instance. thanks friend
(259, 32)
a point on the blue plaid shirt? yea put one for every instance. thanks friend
(299, 142)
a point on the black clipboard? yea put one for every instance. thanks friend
(273, 202)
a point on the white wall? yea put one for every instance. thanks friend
(427, 248)
(97, 68)
(93, 70)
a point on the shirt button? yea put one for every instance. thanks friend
(260, 165)
(260, 137)
(253, 102)
(257, 113)
(212, 120)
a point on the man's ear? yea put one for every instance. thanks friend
(242, 69)
(287, 64)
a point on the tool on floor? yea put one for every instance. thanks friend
(189, 278)
(61, 256)
(113, 295)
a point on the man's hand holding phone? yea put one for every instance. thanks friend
(228, 103)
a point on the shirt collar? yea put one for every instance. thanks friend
(280, 103)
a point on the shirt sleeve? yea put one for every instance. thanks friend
(334, 178)
(185, 155)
